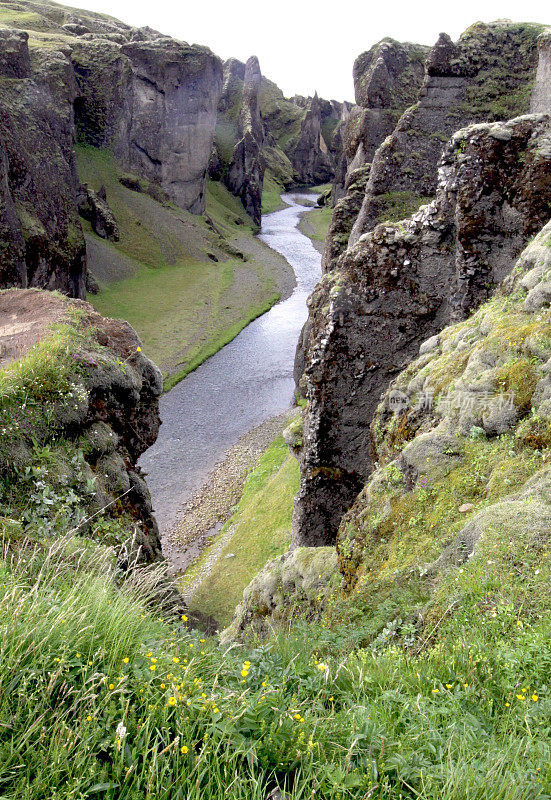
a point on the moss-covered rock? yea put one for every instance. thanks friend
(397, 288)
(298, 581)
(79, 405)
(487, 75)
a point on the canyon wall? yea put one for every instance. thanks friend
(401, 284)
(75, 75)
(390, 283)
(41, 240)
(387, 79)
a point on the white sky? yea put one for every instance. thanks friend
(303, 45)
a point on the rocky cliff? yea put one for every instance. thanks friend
(70, 74)
(79, 405)
(241, 168)
(541, 96)
(402, 283)
(387, 79)
(312, 162)
(153, 101)
(487, 75)
(459, 505)
(41, 241)
(481, 226)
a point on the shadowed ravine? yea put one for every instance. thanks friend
(245, 383)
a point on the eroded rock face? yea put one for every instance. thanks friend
(154, 101)
(387, 79)
(311, 159)
(400, 285)
(245, 174)
(41, 240)
(113, 415)
(541, 96)
(487, 75)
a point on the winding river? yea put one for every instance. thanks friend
(245, 383)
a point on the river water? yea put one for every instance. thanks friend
(245, 383)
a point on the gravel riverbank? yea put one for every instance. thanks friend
(203, 516)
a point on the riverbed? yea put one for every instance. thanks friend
(245, 383)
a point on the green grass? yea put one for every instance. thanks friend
(319, 220)
(159, 277)
(262, 525)
(203, 351)
(271, 194)
(100, 698)
(396, 206)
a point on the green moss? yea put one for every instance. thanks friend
(518, 376)
(271, 194)
(418, 523)
(396, 206)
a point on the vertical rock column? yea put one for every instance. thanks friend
(246, 169)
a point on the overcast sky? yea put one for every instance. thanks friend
(305, 46)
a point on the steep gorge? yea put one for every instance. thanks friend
(156, 105)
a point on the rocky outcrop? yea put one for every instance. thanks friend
(93, 206)
(487, 75)
(41, 240)
(461, 493)
(154, 102)
(105, 406)
(245, 172)
(311, 159)
(301, 578)
(387, 79)
(401, 284)
(541, 95)
(344, 216)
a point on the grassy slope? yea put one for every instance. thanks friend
(320, 712)
(184, 305)
(316, 223)
(271, 194)
(80, 660)
(262, 526)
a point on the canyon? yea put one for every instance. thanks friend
(349, 599)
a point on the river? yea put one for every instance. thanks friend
(245, 383)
